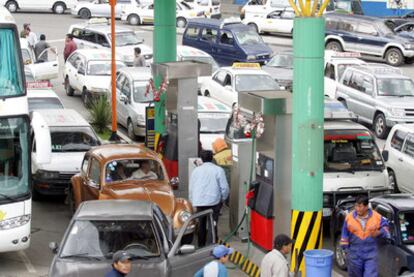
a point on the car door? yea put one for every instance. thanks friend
(47, 65)
(92, 184)
(329, 79)
(147, 16)
(120, 5)
(188, 262)
(216, 84)
(271, 23)
(101, 8)
(72, 65)
(119, 103)
(126, 106)
(225, 50)
(286, 22)
(357, 96)
(346, 30)
(395, 156)
(208, 39)
(80, 74)
(407, 164)
(41, 142)
(368, 39)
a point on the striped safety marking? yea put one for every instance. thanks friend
(247, 266)
(306, 230)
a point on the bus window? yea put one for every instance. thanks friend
(10, 67)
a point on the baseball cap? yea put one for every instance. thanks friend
(121, 256)
(221, 251)
(282, 240)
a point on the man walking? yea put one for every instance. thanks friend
(70, 46)
(40, 47)
(217, 267)
(274, 263)
(208, 189)
(121, 264)
(139, 60)
(361, 229)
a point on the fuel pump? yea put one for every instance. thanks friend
(181, 141)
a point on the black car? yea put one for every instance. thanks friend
(369, 36)
(397, 20)
(395, 255)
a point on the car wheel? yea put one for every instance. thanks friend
(254, 26)
(394, 57)
(334, 46)
(71, 201)
(207, 93)
(380, 126)
(181, 22)
(12, 6)
(59, 8)
(86, 99)
(393, 181)
(340, 256)
(69, 90)
(85, 13)
(130, 127)
(133, 19)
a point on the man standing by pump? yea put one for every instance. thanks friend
(362, 228)
(208, 190)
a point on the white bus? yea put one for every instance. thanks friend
(15, 193)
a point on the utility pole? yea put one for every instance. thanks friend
(114, 136)
(307, 129)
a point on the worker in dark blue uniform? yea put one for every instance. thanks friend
(121, 264)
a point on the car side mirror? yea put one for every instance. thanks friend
(54, 247)
(81, 71)
(385, 155)
(123, 98)
(186, 249)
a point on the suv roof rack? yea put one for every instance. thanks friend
(380, 69)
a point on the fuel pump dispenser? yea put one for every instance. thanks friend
(272, 187)
(181, 141)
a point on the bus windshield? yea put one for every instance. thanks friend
(14, 155)
(10, 66)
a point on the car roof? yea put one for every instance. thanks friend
(245, 71)
(123, 151)
(208, 104)
(343, 125)
(5, 16)
(95, 54)
(380, 70)
(225, 24)
(115, 209)
(400, 201)
(41, 93)
(62, 118)
(137, 73)
(354, 17)
(101, 27)
(188, 51)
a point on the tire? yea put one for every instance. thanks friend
(340, 258)
(71, 201)
(409, 60)
(334, 45)
(12, 6)
(393, 181)
(86, 99)
(130, 128)
(85, 13)
(59, 8)
(133, 19)
(207, 93)
(380, 126)
(69, 90)
(181, 22)
(394, 57)
(254, 26)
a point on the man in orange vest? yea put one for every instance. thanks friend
(362, 228)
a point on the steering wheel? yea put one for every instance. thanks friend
(136, 245)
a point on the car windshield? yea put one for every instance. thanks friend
(102, 238)
(248, 37)
(281, 60)
(255, 82)
(395, 87)
(213, 123)
(44, 103)
(102, 68)
(126, 38)
(350, 151)
(137, 169)
(407, 226)
(72, 139)
(207, 59)
(140, 93)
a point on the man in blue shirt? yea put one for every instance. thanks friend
(121, 264)
(208, 189)
(216, 268)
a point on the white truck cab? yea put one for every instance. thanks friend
(60, 138)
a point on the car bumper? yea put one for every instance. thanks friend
(139, 130)
(394, 121)
(12, 239)
(408, 53)
(51, 186)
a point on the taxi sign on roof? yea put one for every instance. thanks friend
(247, 65)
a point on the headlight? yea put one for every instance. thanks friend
(398, 112)
(184, 216)
(44, 174)
(14, 222)
(251, 57)
(408, 45)
(102, 90)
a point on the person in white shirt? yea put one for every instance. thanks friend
(144, 172)
(31, 37)
(274, 263)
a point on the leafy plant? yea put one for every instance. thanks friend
(101, 114)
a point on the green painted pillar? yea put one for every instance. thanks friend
(307, 136)
(165, 49)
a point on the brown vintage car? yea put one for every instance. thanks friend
(127, 171)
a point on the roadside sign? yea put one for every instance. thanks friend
(150, 127)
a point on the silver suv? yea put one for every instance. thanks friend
(378, 94)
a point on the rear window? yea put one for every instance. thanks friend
(192, 32)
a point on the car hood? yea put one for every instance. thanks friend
(405, 34)
(64, 162)
(400, 37)
(155, 191)
(400, 102)
(279, 73)
(367, 180)
(257, 49)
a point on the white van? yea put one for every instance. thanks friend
(60, 139)
(57, 6)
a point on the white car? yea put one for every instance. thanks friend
(45, 67)
(278, 21)
(137, 15)
(227, 82)
(399, 157)
(57, 6)
(211, 8)
(89, 72)
(213, 116)
(254, 8)
(96, 33)
(100, 8)
(42, 98)
(335, 65)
